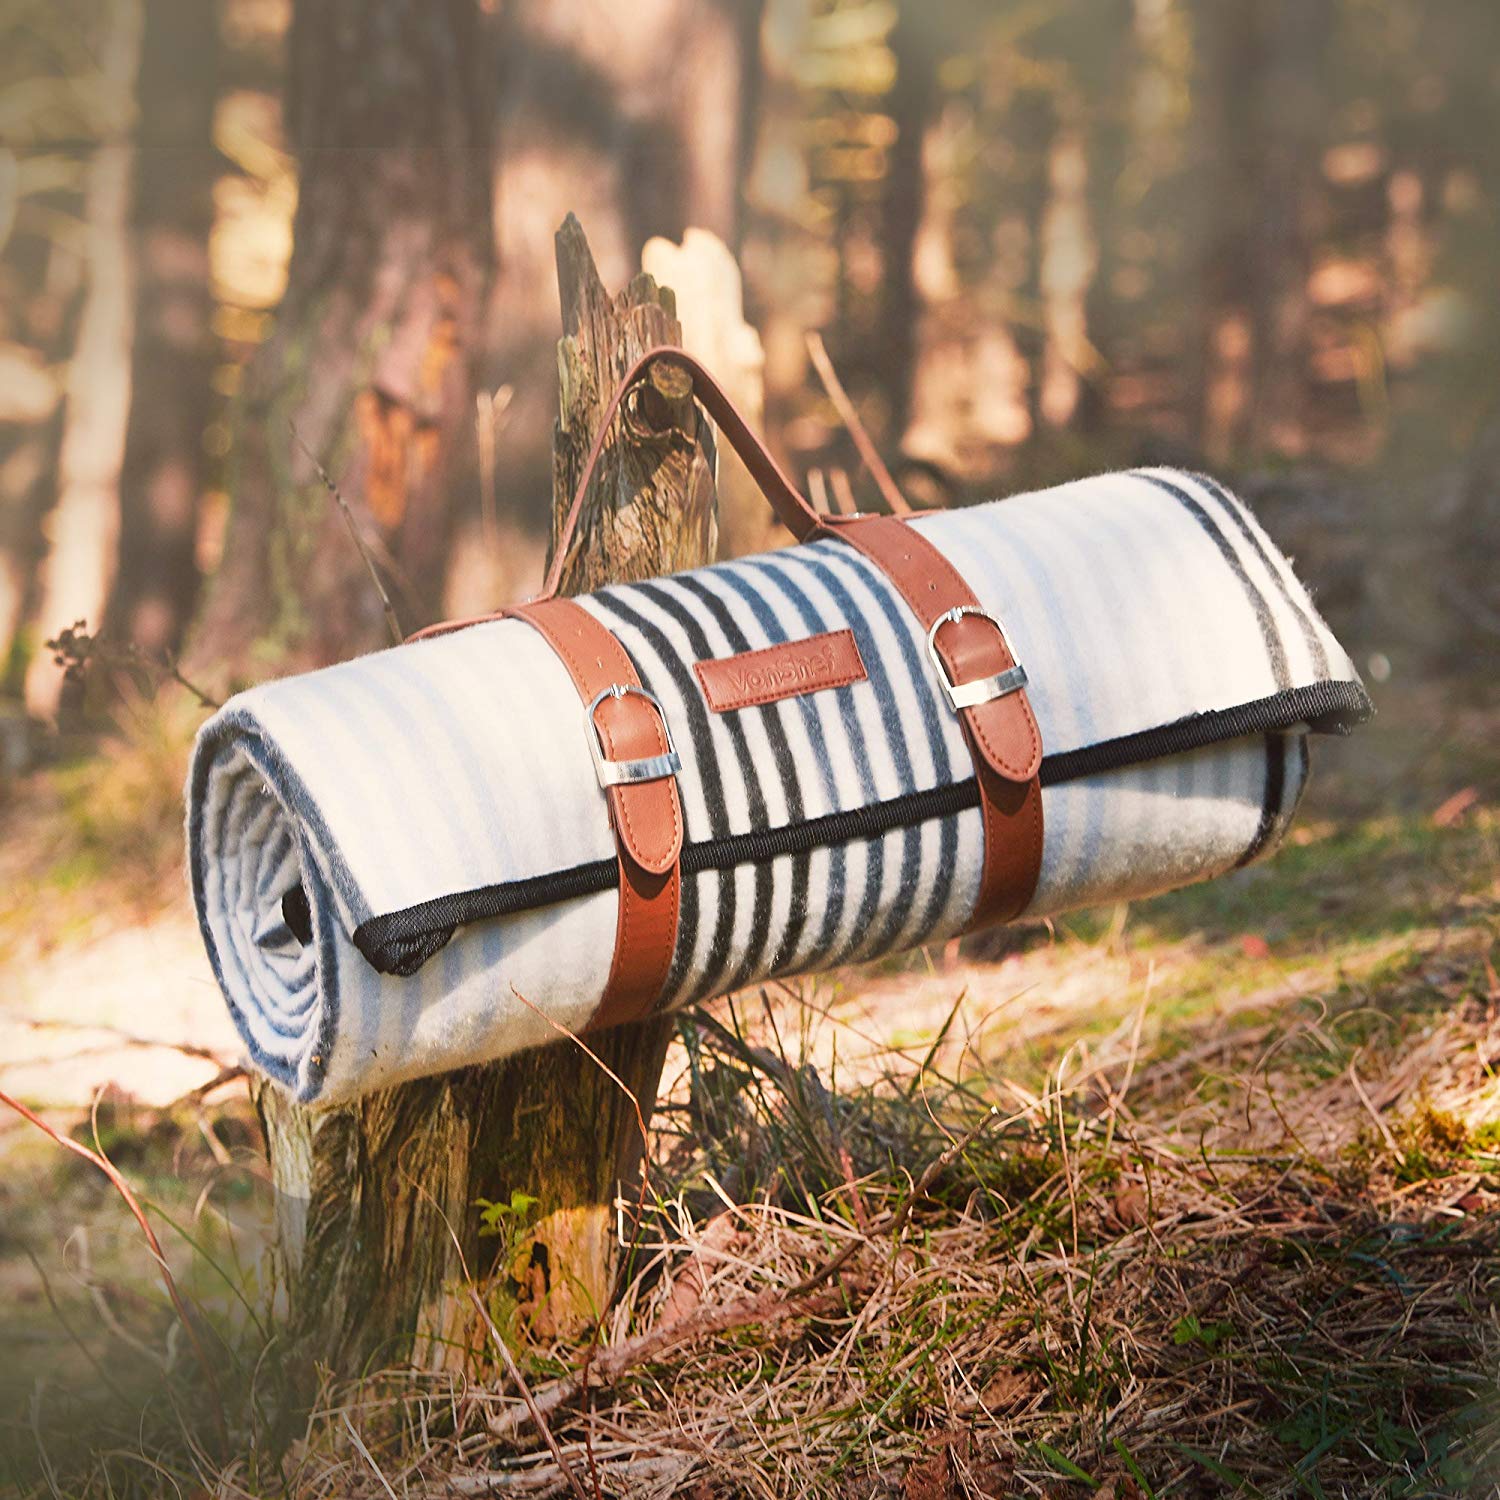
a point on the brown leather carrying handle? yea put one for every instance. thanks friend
(1002, 731)
(790, 505)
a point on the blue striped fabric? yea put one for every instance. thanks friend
(460, 764)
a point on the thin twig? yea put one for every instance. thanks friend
(169, 665)
(126, 1038)
(690, 1283)
(846, 409)
(1380, 1125)
(57, 1312)
(368, 1457)
(484, 433)
(817, 491)
(43, 1457)
(75, 650)
(392, 623)
(843, 491)
(490, 409)
(936, 1166)
(538, 1416)
(770, 1306)
(199, 1094)
(103, 1163)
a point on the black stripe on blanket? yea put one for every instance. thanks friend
(400, 942)
(791, 790)
(707, 762)
(1275, 649)
(760, 913)
(1235, 510)
(839, 575)
(1270, 806)
(941, 882)
(755, 597)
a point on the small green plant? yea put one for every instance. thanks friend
(1192, 1330)
(497, 1219)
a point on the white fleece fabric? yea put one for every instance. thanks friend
(386, 853)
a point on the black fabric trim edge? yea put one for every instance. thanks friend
(400, 942)
(1325, 707)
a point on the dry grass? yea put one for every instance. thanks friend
(100, 826)
(1200, 1202)
(1265, 1265)
(1100, 1292)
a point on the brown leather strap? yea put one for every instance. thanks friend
(1002, 732)
(646, 815)
(791, 507)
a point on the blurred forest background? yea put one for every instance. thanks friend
(1040, 238)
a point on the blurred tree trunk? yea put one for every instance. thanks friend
(388, 108)
(368, 1193)
(1229, 61)
(1292, 115)
(912, 102)
(162, 476)
(31, 428)
(639, 118)
(1267, 59)
(1100, 308)
(82, 528)
(1034, 127)
(1108, 143)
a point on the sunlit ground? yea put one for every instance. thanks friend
(1232, 1228)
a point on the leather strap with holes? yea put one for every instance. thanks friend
(1001, 731)
(646, 815)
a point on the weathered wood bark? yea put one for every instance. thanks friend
(654, 510)
(368, 1194)
(172, 357)
(389, 110)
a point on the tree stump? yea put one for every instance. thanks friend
(367, 1193)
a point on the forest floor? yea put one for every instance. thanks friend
(1199, 1197)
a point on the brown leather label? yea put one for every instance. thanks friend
(785, 671)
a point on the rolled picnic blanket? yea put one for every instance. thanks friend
(406, 863)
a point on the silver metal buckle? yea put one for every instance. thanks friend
(630, 772)
(971, 694)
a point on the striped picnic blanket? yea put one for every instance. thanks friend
(387, 854)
